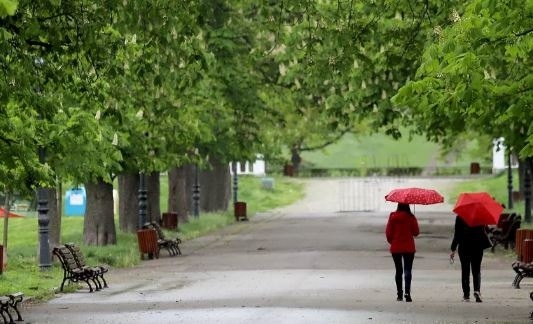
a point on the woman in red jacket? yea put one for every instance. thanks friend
(401, 230)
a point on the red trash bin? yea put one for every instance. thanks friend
(239, 209)
(527, 251)
(474, 168)
(169, 220)
(3, 259)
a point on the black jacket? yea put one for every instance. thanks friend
(469, 238)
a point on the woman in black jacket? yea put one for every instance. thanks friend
(471, 241)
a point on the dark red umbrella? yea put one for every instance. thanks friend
(414, 195)
(478, 208)
(3, 212)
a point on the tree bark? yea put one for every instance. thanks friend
(177, 193)
(54, 226)
(521, 176)
(153, 213)
(215, 187)
(128, 205)
(99, 223)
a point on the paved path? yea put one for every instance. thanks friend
(306, 263)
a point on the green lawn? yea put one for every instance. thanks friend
(379, 150)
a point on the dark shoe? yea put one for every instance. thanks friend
(400, 296)
(477, 295)
(408, 298)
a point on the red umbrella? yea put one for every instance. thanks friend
(478, 208)
(419, 196)
(3, 212)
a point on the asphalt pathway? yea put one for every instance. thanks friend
(306, 263)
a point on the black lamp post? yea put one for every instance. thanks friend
(196, 190)
(43, 220)
(143, 197)
(196, 194)
(509, 181)
(527, 190)
(235, 182)
(45, 260)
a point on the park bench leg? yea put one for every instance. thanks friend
(15, 299)
(103, 279)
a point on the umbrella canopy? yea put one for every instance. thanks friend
(3, 212)
(478, 208)
(413, 195)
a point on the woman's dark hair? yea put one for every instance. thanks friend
(404, 208)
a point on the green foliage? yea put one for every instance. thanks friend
(476, 77)
(340, 62)
(7, 7)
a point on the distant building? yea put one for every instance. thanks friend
(499, 156)
(256, 168)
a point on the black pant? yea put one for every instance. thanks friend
(404, 270)
(470, 259)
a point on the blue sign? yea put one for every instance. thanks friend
(75, 202)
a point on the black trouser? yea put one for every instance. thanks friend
(470, 259)
(404, 270)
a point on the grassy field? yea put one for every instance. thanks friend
(23, 274)
(379, 150)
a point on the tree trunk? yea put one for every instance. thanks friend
(128, 205)
(215, 187)
(177, 194)
(521, 176)
(153, 213)
(99, 224)
(54, 226)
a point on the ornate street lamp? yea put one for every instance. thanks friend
(43, 220)
(235, 181)
(143, 197)
(509, 181)
(196, 194)
(196, 191)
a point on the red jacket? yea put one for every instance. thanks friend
(401, 231)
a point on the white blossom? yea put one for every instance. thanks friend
(97, 115)
(282, 69)
(455, 17)
(115, 140)
(437, 30)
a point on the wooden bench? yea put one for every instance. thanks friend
(98, 270)
(171, 245)
(9, 304)
(523, 270)
(506, 236)
(72, 272)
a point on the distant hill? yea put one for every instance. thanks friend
(379, 150)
